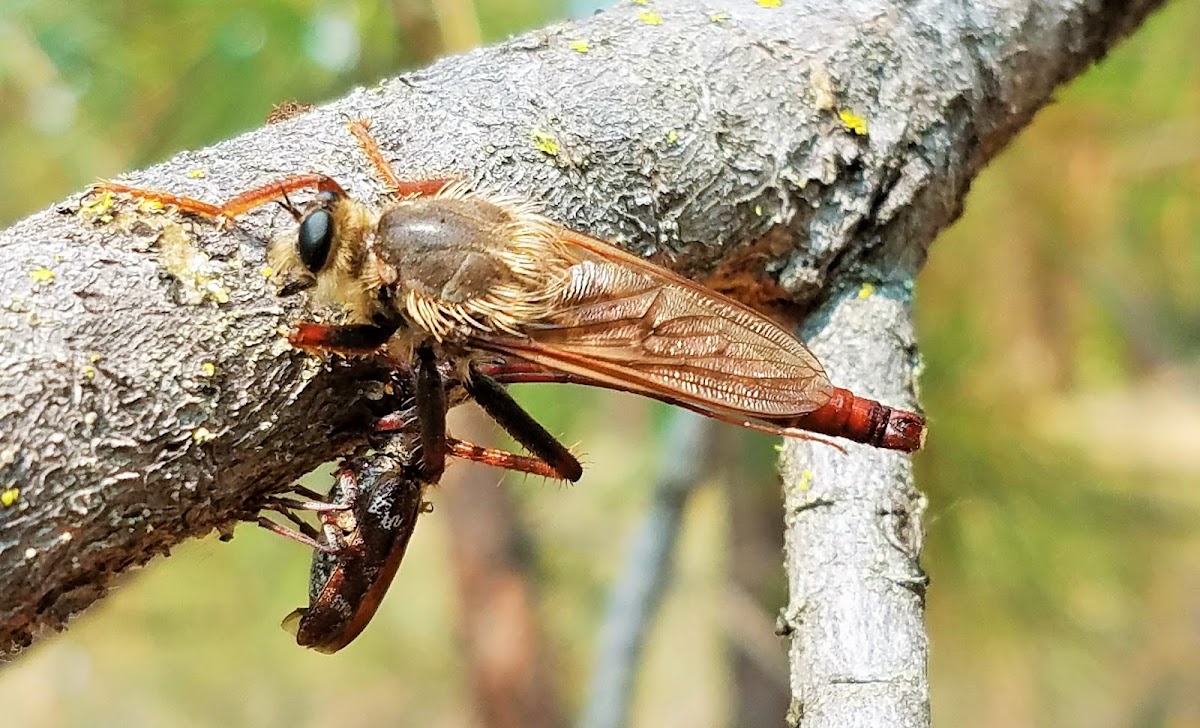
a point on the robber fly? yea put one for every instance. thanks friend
(445, 272)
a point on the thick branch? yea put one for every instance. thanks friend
(147, 396)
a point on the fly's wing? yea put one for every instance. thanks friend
(631, 325)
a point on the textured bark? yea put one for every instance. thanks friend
(147, 397)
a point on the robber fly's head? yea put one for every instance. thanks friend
(328, 251)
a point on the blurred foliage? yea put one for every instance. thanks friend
(1060, 321)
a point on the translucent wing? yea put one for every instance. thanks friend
(637, 327)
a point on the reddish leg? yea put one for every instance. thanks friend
(503, 459)
(469, 451)
(360, 128)
(244, 202)
(351, 340)
(496, 401)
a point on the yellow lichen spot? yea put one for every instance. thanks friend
(544, 142)
(101, 202)
(853, 122)
(89, 373)
(867, 290)
(197, 173)
(650, 18)
(41, 274)
(769, 3)
(579, 46)
(640, 2)
(806, 480)
(758, 210)
(267, 271)
(217, 292)
(672, 136)
(150, 205)
(9, 497)
(198, 274)
(94, 357)
(718, 17)
(208, 369)
(201, 435)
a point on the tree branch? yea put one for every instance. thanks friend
(148, 397)
(857, 592)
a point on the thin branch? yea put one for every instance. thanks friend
(855, 616)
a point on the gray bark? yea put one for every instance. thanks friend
(706, 135)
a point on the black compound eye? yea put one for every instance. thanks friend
(314, 239)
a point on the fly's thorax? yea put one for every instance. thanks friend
(463, 263)
(448, 249)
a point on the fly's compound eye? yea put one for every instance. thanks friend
(314, 239)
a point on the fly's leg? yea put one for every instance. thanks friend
(352, 339)
(238, 205)
(431, 413)
(360, 128)
(497, 402)
(399, 421)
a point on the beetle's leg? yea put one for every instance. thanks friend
(307, 535)
(497, 402)
(349, 339)
(308, 493)
(244, 202)
(431, 413)
(360, 128)
(316, 506)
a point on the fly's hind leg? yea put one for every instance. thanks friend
(497, 402)
(400, 421)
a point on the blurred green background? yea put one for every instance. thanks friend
(1059, 319)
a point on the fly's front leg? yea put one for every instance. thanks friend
(238, 205)
(431, 413)
(349, 340)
